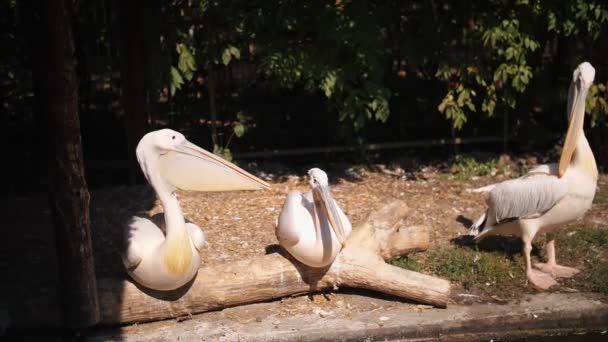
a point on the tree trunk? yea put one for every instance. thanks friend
(133, 75)
(69, 196)
(360, 265)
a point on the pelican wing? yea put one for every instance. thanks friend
(205, 172)
(296, 219)
(527, 196)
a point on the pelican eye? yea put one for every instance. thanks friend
(173, 137)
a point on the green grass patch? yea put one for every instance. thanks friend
(589, 248)
(594, 277)
(469, 167)
(409, 263)
(601, 197)
(469, 267)
(498, 273)
(466, 167)
(578, 244)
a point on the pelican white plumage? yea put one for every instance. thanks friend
(311, 225)
(548, 196)
(166, 261)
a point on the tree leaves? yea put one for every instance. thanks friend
(453, 104)
(596, 104)
(229, 53)
(328, 83)
(186, 67)
(176, 80)
(484, 53)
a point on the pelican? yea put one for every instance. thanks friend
(166, 261)
(548, 196)
(311, 226)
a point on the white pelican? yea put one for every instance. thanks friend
(311, 226)
(550, 195)
(167, 261)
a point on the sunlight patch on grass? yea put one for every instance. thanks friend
(588, 247)
(469, 267)
(581, 243)
(467, 167)
(408, 263)
(502, 273)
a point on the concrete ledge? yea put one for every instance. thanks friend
(534, 315)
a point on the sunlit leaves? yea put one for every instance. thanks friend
(505, 71)
(185, 63)
(176, 80)
(240, 126)
(229, 53)
(285, 67)
(186, 67)
(521, 77)
(223, 152)
(576, 17)
(454, 103)
(488, 105)
(596, 104)
(328, 83)
(483, 54)
(358, 106)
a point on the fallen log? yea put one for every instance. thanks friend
(360, 265)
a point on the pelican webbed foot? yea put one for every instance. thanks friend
(556, 270)
(540, 279)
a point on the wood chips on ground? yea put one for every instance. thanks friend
(241, 224)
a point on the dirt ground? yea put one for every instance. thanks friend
(241, 224)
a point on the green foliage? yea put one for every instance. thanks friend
(229, 53)
(454, 104)
(596, 104)
(238, 128)
(505, 43)
(223, 152)
(186, 67)
(485, 54)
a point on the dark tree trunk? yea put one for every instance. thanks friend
(30, 25)
(133, 74)
(69, 196)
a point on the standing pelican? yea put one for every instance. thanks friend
(169, 161)
(549, 196)
(311, 226)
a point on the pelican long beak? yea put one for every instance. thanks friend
(322, 197)
(577, 97)
(190, 167)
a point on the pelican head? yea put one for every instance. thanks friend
(181, 164)
(323, 201)
(582, 78)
